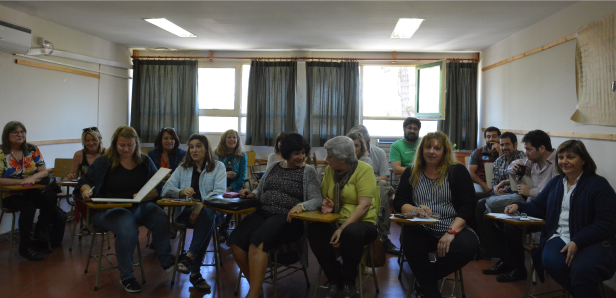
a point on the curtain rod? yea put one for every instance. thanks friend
(299, 58)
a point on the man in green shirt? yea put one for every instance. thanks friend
(402, 153)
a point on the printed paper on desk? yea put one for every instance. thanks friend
(505, 216)
(422, 219)
(144, 191)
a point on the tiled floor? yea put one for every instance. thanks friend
(61, 275)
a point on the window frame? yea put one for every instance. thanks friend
(237, 110)
(442, 91)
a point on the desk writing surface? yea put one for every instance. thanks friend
(514, 220)
(12, 188)
(415, 221)
(103, 206)
(316, 216)
(175, 202)
(243, 211)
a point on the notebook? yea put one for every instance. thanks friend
(144, 191)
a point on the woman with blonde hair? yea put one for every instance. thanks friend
(120, 173)
(437, 184)
(230, 153)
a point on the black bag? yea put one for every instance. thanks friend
(231, 204)
(50, 184)
(57, 227)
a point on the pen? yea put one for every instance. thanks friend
(91, 191)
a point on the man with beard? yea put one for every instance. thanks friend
(488, 153)
(403, 151)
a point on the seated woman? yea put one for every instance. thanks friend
(276, 156)
(229, 152)
(577, 241)
(120, 173)
(287, 187)
(21, 163)
(347, 189)
(360, 147)
(92, 142)
(436, 183)
(167, 152)
(199, 177)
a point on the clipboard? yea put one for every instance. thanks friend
(144, 191)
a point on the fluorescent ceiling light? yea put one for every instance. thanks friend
(406, 28)
(171, 27)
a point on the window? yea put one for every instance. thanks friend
(222, 98)
(390, 94)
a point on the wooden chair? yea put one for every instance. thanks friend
(250, 165)
(12, 237)
(489, 169)
(62, 168)
(458, 280)
(102, 232)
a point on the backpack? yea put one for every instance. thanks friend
(57, 227)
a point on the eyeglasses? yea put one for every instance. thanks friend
(93, 128)
(16, 133)
(165, 128)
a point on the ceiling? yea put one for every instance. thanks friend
(297, 25)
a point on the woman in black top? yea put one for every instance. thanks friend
(121, 173)
(437, 184)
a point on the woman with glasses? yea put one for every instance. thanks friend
(21, 163)
(199, 177)
(121, 173)
(167, 152)
(360, 147)
(235, 160)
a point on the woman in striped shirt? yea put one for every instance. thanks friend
(436, 183)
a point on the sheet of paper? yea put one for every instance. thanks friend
(418, 219)
(144, 191)
(505, 216)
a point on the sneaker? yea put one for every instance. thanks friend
(131, 285)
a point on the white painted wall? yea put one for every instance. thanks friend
(538, 91)
(57, 105)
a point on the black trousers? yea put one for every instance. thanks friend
(27, 202)
(352, 241)
(272, 230)
(418, 242)
(491, 236)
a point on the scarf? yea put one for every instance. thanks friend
(341, 178)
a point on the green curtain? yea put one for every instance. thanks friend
(164, 95)
(460, 123)
(332, 97)
(271, 101)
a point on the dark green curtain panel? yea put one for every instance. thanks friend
(271, 101)
(460, 122)
(332, 100)
(164, 95)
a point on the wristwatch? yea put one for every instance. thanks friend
(303, 208)
(452, 231)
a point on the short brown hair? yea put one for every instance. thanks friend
(577, 147)
(158, 143)
(8, 128)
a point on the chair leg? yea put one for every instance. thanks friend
(177, 255)
(306, 277)
(237, 284)
(90, 253)
(462, 285)
(108, 240)
(361, 278)
(70, 248)
(318, 283)
(140, 264)
(217, 257)
(100, 257)
(529, 280)
(411, 286)
(376, 282)
(12, 235)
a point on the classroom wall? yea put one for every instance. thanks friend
(538, 91)
(55, 105)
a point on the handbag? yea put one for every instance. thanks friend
(231, 204)
(50, 184)
(378, 252)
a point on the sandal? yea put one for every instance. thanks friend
(199, 283)
(184, 264)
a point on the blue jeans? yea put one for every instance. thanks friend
(125, 222)
(203, 228)
(590, 267)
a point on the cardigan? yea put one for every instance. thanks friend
(591, 215)
(312, 201)
(460, 184)
(210, 184)
(175, 157)
(238, 166)
(95, 176)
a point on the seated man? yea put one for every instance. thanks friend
(500, 183)
(403, 151)
(541, 166)
(488, 153)
(381, 172)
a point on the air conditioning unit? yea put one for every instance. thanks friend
(14, 39)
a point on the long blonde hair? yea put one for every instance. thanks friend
(221, 150)
(112, 152)
(419, 165)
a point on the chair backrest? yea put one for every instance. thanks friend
(466, 161)
(62, 167)
(489, 167)
(251, 158)
(145, 150)
(385, 144)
